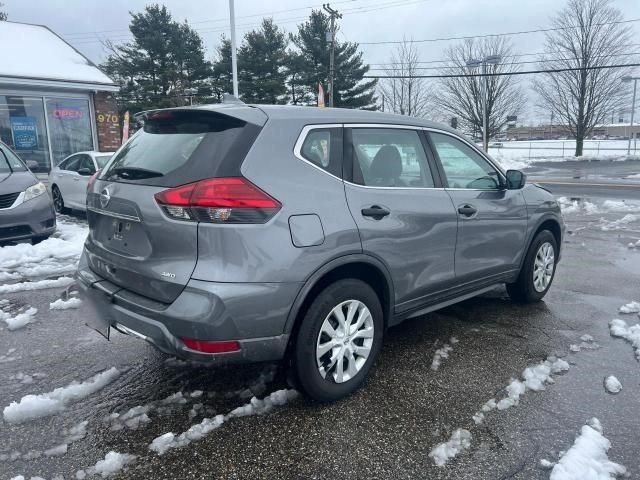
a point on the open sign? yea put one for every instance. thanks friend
(68, 113)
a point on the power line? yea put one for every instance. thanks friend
(502, 74)
(505, 34)
(507, 63)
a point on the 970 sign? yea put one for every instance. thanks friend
(107, 118)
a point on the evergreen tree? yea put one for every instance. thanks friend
(164, 65)
(262, 70)
(3, 14)
(350, 89)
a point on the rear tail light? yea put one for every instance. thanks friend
(206, 346)
(92, 180)
(218, 200)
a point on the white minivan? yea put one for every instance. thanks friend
(68, 180)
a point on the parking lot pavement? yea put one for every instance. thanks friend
(385, 430)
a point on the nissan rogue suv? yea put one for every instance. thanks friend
(235, 233)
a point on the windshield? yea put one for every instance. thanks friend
(102, 160)
(9, 162)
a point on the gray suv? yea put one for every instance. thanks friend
(235, 233)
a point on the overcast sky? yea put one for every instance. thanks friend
(85, 22)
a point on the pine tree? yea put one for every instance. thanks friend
(164, 65)
(350, 89)
(262, 69)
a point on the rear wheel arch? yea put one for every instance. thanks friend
(361, 267)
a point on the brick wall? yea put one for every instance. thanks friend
(107, 122)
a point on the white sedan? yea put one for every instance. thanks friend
(68, 180)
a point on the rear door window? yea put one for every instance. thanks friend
(323, 148)
(179, 147)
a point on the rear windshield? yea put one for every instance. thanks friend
(10, 163)
(174, 147)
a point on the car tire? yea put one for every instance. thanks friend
(58, 201)
(37, 240)
(538, 270)
(346, 296)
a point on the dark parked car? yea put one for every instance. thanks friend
(26, 208)
(235, 233)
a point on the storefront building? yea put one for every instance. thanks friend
(53, 100)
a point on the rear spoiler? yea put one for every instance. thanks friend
(237, 110)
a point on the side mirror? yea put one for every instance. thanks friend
(31, 164)
(85, 172)
(515, 179)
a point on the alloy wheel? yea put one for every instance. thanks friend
(543, 267)
(57, 200)
(345, 340)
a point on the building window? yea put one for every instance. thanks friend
(23, 128)
(69, 126)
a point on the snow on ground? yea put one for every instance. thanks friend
(27, 379)
(61, 304)
(55, 256)
(586, 207)
(198, 431)
(619, 328)
(50, 403)
(587, 458)
(113, 462)
(9, 357)
(443, 452)
(20, 320)
(534, 378)
(442, 353)
(612, 384)
(37, 285)
(587, 343)
(631, 307)
(634, 245)
(619, 224)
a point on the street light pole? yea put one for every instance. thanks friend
(234, 60)
(633, 111)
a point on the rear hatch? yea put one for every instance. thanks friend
(134, 242)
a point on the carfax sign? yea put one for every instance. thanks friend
(25, 133)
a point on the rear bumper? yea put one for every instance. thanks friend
(254, 314)
(34, 218)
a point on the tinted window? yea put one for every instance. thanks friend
(323, 148)
(87, 162)
(72, 164)
(463, 166)
(389, 158)
(9, 162)
(174, 148)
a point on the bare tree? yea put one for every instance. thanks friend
(589, 37)
(461, 97)
(409, 95)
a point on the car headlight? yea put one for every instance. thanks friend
(34, 191)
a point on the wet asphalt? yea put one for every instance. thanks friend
(386, 429)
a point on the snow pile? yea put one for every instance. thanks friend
(57, 255)
(533, 378)
(61, 304)
(619, 328)
(75, 433)
(631, 307)
(460, 440)
(37, 285)
(113, 462)
(442, 353)
(634, 245)
(131, 419)
(198, 431)
(20, 320)
(50, 403)
(619, 224)
(612, 384)
(587, 457)
(8, 357)
(27, 379)
(587, 343)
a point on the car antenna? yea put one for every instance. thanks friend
(228, 98)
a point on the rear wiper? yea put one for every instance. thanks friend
(134, 173)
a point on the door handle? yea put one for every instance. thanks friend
(375, 211)
(467, 210)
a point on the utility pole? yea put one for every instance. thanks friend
(333, 14)
(234, 60)
(633, 110)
